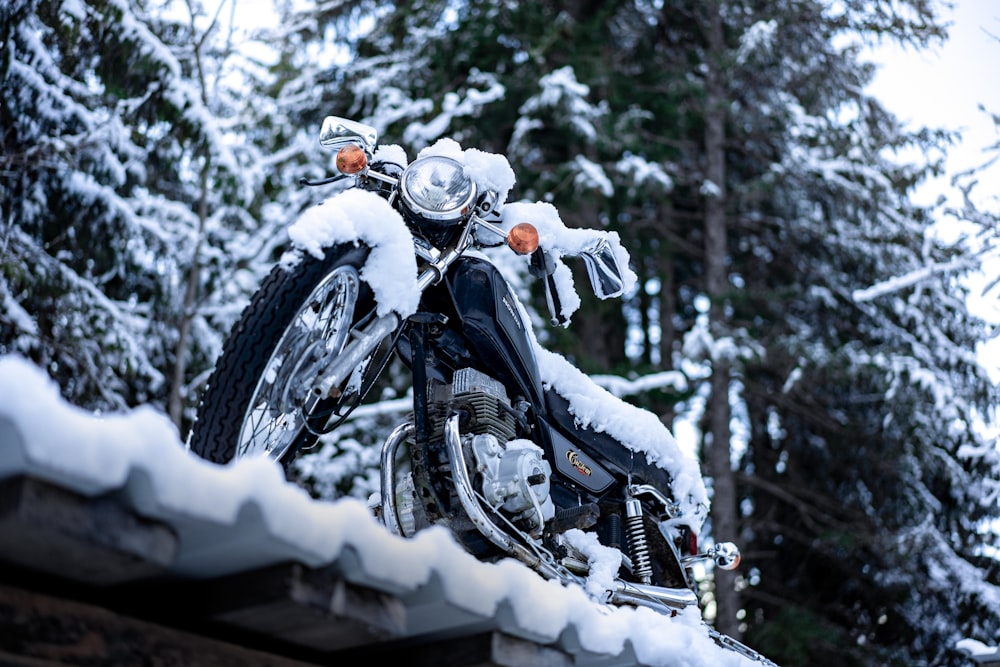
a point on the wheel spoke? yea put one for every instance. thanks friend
(319, 331)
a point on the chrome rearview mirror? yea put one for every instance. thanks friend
(605, 273)
(339, 132)
(726, 555)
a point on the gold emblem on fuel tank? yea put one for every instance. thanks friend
(578, 463)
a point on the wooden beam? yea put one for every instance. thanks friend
(43, 631)
(312, 608)
(487, 649)
(95, 540)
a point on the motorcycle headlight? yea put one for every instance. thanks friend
(436, 190)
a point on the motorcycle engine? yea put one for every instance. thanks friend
(513, 475)
(515, 478)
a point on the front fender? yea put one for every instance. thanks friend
(362, 217)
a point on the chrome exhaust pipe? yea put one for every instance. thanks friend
(390, 516)
(466, 494)
(655, 597)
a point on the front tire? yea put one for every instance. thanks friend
(296, 323)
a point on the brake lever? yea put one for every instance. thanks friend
(325, 181)
(543, 267)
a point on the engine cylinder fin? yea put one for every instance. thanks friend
(483, 400)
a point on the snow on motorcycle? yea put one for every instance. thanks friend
(510, 446)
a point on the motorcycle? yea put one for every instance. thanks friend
(517, 452)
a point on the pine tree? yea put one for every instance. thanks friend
(116, 176)
(856, 496)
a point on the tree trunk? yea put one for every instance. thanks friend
(724, 519)
(175, 403)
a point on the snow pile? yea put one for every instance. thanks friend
(93, 453)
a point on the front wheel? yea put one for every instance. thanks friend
(297, 322)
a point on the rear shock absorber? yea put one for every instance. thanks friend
(635, 533)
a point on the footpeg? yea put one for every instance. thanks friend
(582, 517)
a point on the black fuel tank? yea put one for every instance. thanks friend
(492, 322)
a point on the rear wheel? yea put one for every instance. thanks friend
(296, 324)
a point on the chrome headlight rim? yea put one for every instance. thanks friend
(457, 204)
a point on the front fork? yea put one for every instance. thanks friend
(365, 341)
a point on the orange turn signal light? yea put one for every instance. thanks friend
(351, 159)
(523, 238)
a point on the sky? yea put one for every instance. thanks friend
(944, 86)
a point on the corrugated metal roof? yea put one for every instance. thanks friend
(325, 577)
